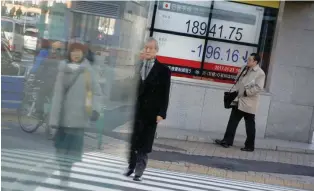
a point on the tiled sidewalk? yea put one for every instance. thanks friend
(119, 147)
(206, 149)
(208, 137)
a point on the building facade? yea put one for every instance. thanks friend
(281, 32)
(291, 74)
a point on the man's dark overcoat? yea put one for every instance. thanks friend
(151, 101)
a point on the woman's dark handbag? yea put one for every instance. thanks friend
(230, 96)
(95, 116)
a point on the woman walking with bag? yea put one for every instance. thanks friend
(74, 105)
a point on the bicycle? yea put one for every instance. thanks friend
(28, 109)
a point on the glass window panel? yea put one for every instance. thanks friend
(6, 26)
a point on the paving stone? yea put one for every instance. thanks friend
(300, 159)
(192, 138)
(217, 172)
(297, 150)
(308, 187)
(263, 155)
(288, 158)
(274, 181)
(210, 152)
(294, 158)
(182, 137)
(282, 157)
(250, 155)
(293, 184)
(309, 151)
(235, 153)
(158, 164)
(179, 168)
(198, 149)
(255, 178)
(306, 160)
(198, 169)
(229, 155)
(220, 152)
(204, 150)
(236, 175)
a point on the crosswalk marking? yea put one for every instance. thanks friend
(99, 171)
(55, 182)
(202, 181)
(19, 186)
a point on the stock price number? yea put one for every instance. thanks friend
(196, 27)
(233, 33)
(216, 54)
(200, 28)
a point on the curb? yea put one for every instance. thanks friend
(265, 144)
(236, 144)
(11, 116)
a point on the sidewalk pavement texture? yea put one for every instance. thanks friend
(209, 137)
(185, 156)
(196, 150)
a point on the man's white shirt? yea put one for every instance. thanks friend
(146, 68)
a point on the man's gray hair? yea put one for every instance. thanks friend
(156, 42)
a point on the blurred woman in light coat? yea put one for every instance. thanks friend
(75, 104)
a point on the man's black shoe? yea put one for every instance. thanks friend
(137, 178)
(247, 149)
(222, 143)
(129, 172)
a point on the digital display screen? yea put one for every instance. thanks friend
(236, 27)
(236, 22)
(182, 17)
(230, 21)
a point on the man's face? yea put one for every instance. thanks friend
(251, 62)
(150, 50)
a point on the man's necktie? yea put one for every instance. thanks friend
(147, 64)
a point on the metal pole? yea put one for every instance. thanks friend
(206, 40)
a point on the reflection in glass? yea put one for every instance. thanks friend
(112, 32)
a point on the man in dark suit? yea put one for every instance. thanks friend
(151, 107)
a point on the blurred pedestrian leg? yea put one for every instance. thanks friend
(69, 145)
(100, 125)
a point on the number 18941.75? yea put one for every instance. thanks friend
(216, 31)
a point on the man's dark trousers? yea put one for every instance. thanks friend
(141, 138)
(235, 117)
(138, 161)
